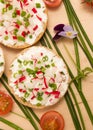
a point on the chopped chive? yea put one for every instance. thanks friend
(4, 10)
(20, 38)
(27, 24)
(25, 62)
(10, 7)
(38, 5)
(1, 63)
(31, 62)
(45, 58)
(38, 104)
(28, 16)
(25, 19)
(6, 38)
(53, 64)
(53, 86)
(39, 62)
(2, 1)
(42, 68)
(19, 61)
(47, 66)
(15, 32)
(39, 96)
(19, 22)
(23, 13)
(14, 15)
(26, 95)
(30, 36)
(1, 23)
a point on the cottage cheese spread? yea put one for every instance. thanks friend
(39, 76)
(22, 22)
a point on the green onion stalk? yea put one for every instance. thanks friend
(82, 38)
(14, 126)
(75, 82)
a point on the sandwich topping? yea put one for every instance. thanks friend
(21, 21)
(39, 76)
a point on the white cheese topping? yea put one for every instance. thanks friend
(1, 61)
(39, 76)
(21, 21)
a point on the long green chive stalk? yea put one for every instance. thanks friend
(47, 41)
(75, 45)
(79, 81)
(81, 73)
(72, 112)
(73, 21)
(75, 82)
(22, 107)
(78, 108)
(5, 78)
(18, 115)
(81, 37)
(34, 115)
(14, 126)
(80, 25)
(67, 97)
(84, 48)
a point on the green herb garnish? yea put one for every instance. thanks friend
(38, 104)
(19, 22)
(23, 13)
(6, 38)
(45, 58)
(53, 64)
(31, 72)
(43, 69)
(26, 95)
(25, 62)
(39, 96)
(2, 1)
(4, 10)
(47, 66)
(30, 36)
(53, 86)
(19, 61)
(14, 15)
(27, 24)
(10, 7)
(38, 5)
(1, 64)
(20, 38)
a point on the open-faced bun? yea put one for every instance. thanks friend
(38, 77)
(22, 22)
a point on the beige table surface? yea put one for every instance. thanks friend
(57, 16)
